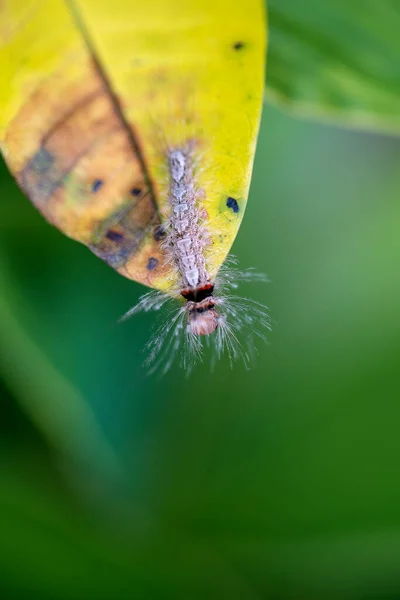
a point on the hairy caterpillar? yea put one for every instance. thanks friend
(208, 309)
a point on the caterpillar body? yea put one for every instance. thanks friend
(209, 310)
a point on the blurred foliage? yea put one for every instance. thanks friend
(336, 59)
(279, 482)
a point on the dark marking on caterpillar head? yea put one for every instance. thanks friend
(96, 185)
(136, 191)
(198, 294)
(238, 45)
(232, 203)
(188, 295)
(151, 265)
(159, 233)
(203, 308)
(114, 236)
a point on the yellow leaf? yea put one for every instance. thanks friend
(93, 95)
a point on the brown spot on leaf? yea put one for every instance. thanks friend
(153, 262)
(81, 165)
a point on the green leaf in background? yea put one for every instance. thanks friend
(277, 483)
(336, 59)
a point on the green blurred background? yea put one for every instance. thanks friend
(278, 482)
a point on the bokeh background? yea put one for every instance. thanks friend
(280, 482)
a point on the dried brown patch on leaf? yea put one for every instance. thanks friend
(72, 154)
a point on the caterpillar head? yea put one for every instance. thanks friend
(202, 320)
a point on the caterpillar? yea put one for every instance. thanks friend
(208, 309)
